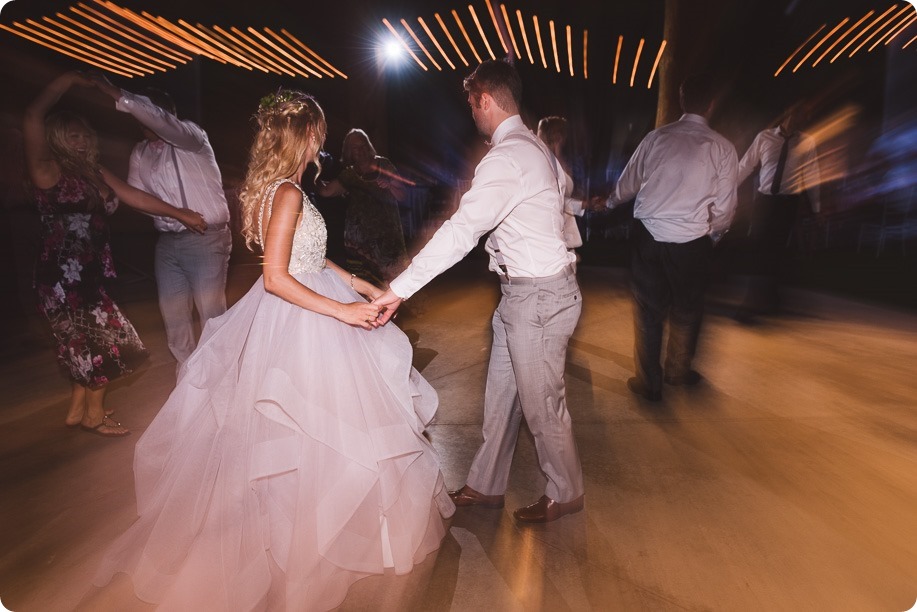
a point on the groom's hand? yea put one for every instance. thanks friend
(390, 303)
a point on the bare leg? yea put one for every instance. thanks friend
(77, 408)
(95, 414)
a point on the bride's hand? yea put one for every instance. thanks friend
(359, 314)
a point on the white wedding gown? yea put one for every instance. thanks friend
(288, 462)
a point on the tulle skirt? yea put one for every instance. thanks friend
(288, 462)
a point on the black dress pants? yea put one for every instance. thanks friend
(772, 226)
(668, 281)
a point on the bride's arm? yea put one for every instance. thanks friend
(278, 244)
(359, 285)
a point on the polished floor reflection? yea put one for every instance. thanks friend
(784, 481)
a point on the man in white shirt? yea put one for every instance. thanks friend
(684, 178)
(516, 193)
(176, 163)
(788, 175)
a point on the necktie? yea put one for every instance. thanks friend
(781, 164)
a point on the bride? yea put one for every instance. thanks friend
(290, 459)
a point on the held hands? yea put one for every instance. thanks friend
(193, 220)
(360, 314)
(596, 204)
(389, 303)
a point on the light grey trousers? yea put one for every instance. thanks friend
(190, 273)
(532, 327)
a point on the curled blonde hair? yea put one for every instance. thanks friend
(291, 127)
(57, 126)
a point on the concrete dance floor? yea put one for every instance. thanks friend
(787, 480)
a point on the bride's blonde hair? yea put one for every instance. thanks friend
(291, 127)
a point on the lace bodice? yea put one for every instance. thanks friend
(310, 238)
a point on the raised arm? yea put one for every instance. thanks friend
(150, 204)
(43, 169)
(278, 245)
(182, 134)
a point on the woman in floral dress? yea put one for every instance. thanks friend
(74, 195)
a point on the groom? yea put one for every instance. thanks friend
(516, 194)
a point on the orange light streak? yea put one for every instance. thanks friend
(493, 18)
(118, 53)
(300, 54)
(132, 35)
(63, 50)
(404, 44)
(313, 53)
(509, 28)
(893, 30)
(240, 42)
(465, 34)
(241, 60)
(852, 40)
(907, 7)
(481, 32)
(268, 54)
(839, 39)
(614, 75)
(283, 52)
(525, 37)
(906, 25)
(585, 54)
(229, 44)
(544, 62)
(423, 24)
(820, 43)
(158, 64)
(208, 51)
(649, 84)
(908, 43)
(798, 49)
(633, 72)
(554, 44)
(420, 44)
(442, 24)
(874, 22)
(60, 38)
(570, 49)
(151, 27)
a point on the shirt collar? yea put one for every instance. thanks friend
(693, 118)
(509, 124)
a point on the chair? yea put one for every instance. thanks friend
(898, 222)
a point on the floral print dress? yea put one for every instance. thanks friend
(95, 342)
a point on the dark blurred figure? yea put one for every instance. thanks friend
(788, 180)
(373, 236)
(334, 208)
(684, 178)
(553, 132)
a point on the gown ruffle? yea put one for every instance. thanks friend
(289, 462)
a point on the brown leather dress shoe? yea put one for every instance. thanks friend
(466, 496)
(546, 510)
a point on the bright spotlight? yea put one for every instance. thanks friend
(393, 50)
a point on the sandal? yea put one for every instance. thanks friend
(95, 430)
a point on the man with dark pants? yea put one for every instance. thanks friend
(516, 192)
(176, 163)
(788, 177)
(684, 178)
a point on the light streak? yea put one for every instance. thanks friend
(465, 34)
(819, 43)
(544, 62)
(633, 72)
(423, 24)
(442, 24)
(509, 28)
(649, 83)
(481, 32)
(525, 37)
(614, 75)
(493, 18)
(793, 54)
